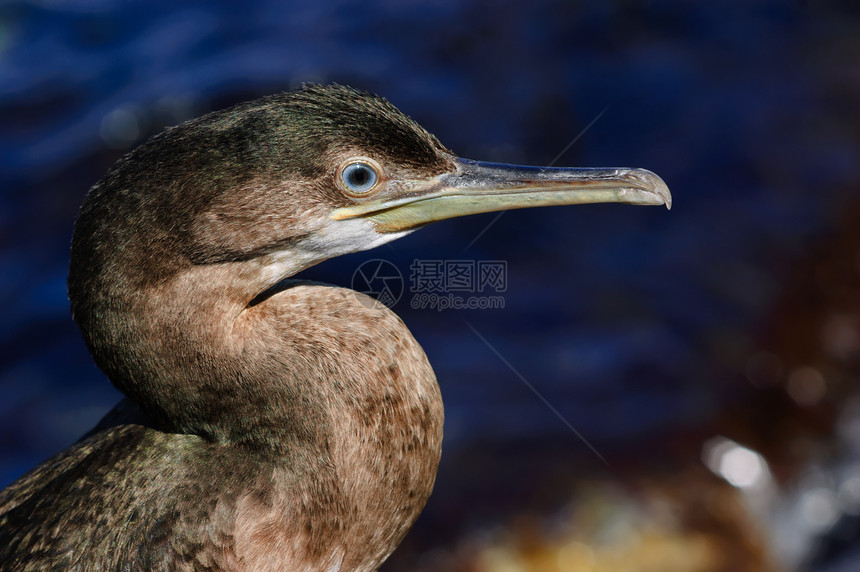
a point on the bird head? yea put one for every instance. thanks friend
(296, 178)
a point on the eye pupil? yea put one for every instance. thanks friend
(359, 177)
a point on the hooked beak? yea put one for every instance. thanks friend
(478, 187)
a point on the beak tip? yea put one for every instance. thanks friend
(655, 185)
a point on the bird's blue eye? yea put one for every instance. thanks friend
(359, 177)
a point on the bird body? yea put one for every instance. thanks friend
(278, 500)
(269, 424)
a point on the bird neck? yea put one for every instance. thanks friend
(199, 357)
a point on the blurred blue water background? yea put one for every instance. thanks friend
(635, 323)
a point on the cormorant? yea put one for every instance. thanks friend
(268, 424)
